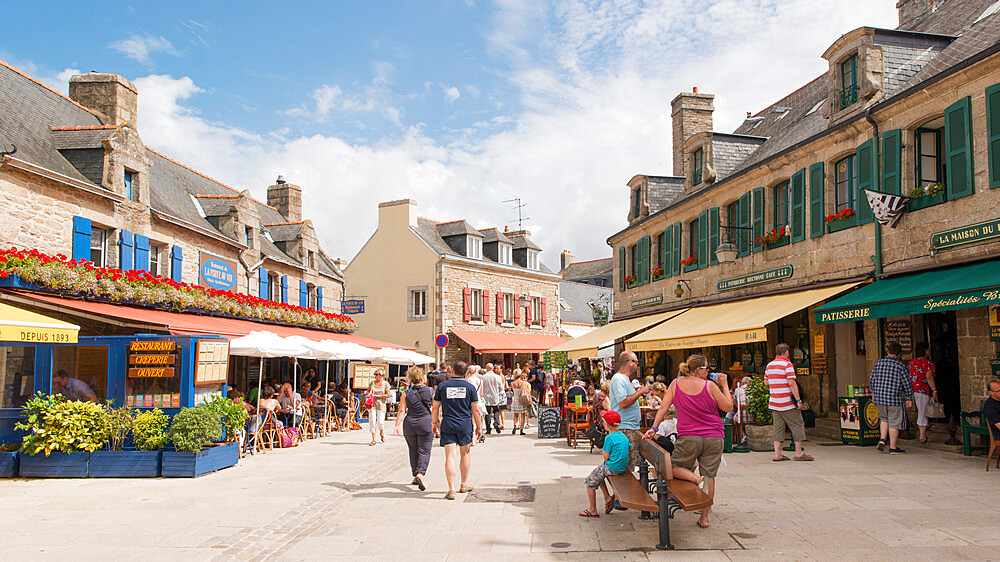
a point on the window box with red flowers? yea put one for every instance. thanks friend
(845, 218)
(631, 281)
(776, 237)
(656, 273)
(81, 279)
(690, 263)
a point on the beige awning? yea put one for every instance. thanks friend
(729, 323)
(588, 344)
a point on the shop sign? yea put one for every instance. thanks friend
(213, 362)
(601, 315)
(647, 301)
(353, 306)
(995, 367)
(994, 322)
(151, 359)
(915, 306)
(966, 234)
(783, 272)
(216, 272)
(555, 359)
(819, 344)
(899, 331)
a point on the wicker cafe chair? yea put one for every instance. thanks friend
(307, 425)
(267, 435)
(321, 416)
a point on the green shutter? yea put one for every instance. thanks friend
(993, 133)
(621, 268)
(817, 207)
(667, 251)
(958, 149)
(703, 259)
(797, 214)
(745, 237)
(758, 217)
(642, 263)
(892, 162)
(866, 178)
(713, 234)
(675, 259)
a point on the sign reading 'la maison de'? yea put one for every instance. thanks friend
(966, 234)
(783, 272)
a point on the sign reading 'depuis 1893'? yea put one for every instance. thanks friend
(966, 234)
(216, 272)
(783, 272)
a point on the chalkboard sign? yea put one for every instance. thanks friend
(548, 422)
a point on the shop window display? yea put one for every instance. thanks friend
(17, 375)
(88, 364)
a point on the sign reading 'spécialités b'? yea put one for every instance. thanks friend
(966, 234)
(783, 272)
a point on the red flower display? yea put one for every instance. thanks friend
(690, 260)
(839, 216)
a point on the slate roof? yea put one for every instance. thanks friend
(430, 232)
(456, 228)
(69, 138)
(283, 231)
(603, 267)
(217, 205)
(493, 235)
(521, 241)
(663, 190)
(577, 295)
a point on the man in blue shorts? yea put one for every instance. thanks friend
(455, 410)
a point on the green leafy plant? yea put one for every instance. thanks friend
(928, 190)
(758, 396)
(192, 428)
(149, 430)
(118, 424)
(55, 424)
(233, 414)
(10, 447)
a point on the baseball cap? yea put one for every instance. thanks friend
(611, 417)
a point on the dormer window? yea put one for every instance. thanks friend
(849, 81)
(637, 202)
(533, 259)
(475, 248)
(697, 161)
(248, 236)
(130, 193)
(505, 254)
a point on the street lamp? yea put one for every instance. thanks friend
(523, 301)
(728, 250)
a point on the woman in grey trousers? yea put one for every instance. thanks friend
(415, 417)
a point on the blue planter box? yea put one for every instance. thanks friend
(56, 465)
(9, 464)
(177, 464)
(125, 464)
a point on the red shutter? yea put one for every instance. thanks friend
(517, 309)
(499, 308)
(528, 311)
(467, 304)
(486, 306)
(544, 316)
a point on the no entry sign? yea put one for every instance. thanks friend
(441, 340)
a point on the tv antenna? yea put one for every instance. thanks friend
(518, 205)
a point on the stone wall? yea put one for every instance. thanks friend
(975, 351)
(690, 113)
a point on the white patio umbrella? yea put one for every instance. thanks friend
(322, 350)
(420, 358)
(352, 351)
(265, 345)
(397, 356)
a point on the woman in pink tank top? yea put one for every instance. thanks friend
(699, 426)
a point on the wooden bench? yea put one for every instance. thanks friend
(670, 494)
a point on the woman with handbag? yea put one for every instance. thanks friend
(378, 392)
(415, 418)
(521, 402)
(924, 386)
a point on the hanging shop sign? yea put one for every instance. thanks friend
(647, 301)
(352, 306)
(994, 322)
(216, 272)
(783, 272)
(151, 359)
(966, 234)
(555, 359)
(601, 314)
(213, 362)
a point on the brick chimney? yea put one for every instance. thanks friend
(565, 258)
(691, 113)
(113, 98)
(286, 198)
(912, 10)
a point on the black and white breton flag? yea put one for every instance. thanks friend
(888, 209)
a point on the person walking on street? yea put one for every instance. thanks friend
(493, 396)
(415, 418)
(785, 403)
(624, 400)
(891, 391)
(922, 376)
(520, 403)
(454, 413)
(473, 376)
(376, 416)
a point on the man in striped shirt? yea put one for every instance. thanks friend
(785, 404)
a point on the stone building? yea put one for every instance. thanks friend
(766, 224)
(486, 290)
(597, 272)
(82, 183)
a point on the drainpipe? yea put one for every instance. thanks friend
(877, 180)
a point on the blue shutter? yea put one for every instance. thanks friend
(303, 294)
(798, 206)
(284, 289)
(176, 263)
(125, 251)
(141, 252)
(81, 238)
(866, 180)
(319, 298)
(958, 149)
(262, 285)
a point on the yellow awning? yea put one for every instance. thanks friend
(588, 344)
(729, 323)
(23, 326)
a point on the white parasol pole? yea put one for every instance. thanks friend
(260, 379)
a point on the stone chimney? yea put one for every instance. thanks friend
(113, 98)
(340, 263)
(691, 113)
(912, 10)
(286, 198)
(565, 258)
(401, 212)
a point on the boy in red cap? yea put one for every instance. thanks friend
(615, 462)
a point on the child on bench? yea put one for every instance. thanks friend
(616, 449)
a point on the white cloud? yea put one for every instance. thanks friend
(140, 48)
(595, 84)
(451, 93)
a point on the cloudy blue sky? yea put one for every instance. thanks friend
(459, 104)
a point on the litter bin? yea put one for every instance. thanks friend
(727, 444)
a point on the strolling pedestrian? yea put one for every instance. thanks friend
(615, 462)
(891, 391)
(473, 376)
(700, 430)
(785, 404)
(454, 413)
(415, 419)
(520, 403)
(922, 378)
(379, 389)
(432, 375)
(504, 395)
(493, 396)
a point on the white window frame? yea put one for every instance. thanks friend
(273, 287)
(475, 248)
(102, 245)
(416, 303)
(532, 259)
(476, 304)
(536, 311)
(154, 259)
(505, 254)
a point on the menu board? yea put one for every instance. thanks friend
(363, 374)
(899, 331)
(213, 362)
(549, 423)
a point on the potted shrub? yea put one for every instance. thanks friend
(232, 415)
(61, 436)
(759, 428)
(9, 459)
(116, 462)
(190, 431)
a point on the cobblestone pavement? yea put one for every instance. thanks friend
(338, 498)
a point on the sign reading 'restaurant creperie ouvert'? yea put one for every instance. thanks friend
(966, 234)
(783, 272)
(151, 359)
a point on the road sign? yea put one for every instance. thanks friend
(441, 340)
